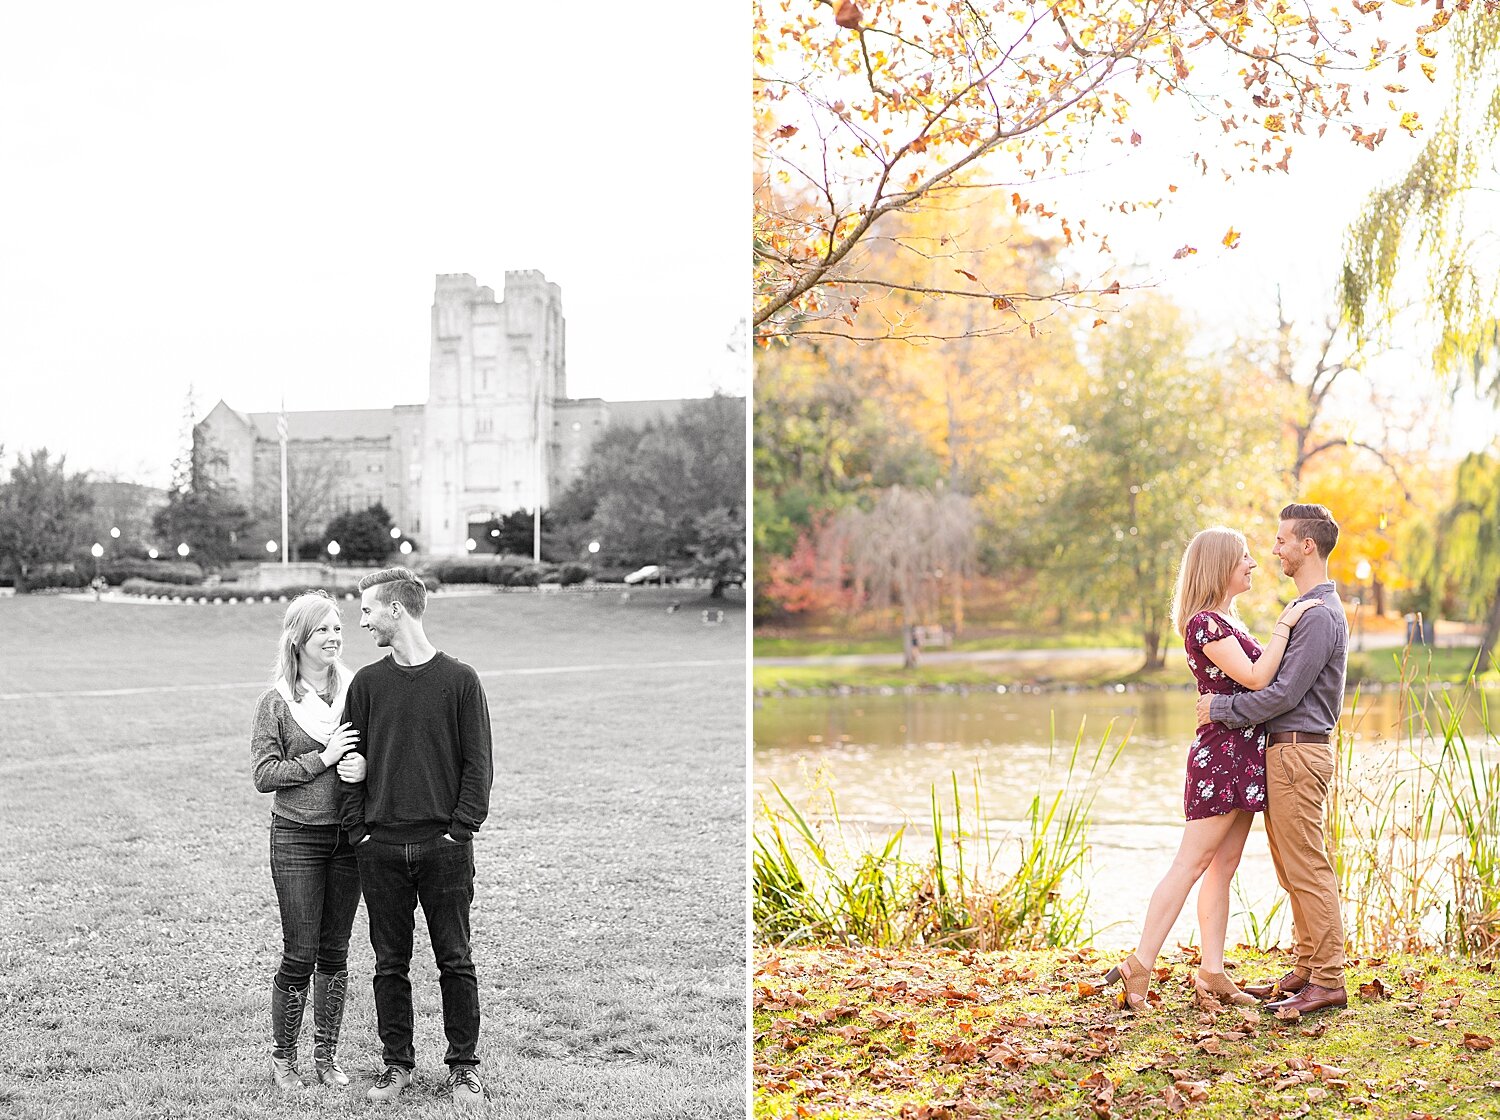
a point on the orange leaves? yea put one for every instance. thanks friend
(785, 132)
(1410, 123)
(1477, 1041)
(1185, 251)
(966, 274)
(1374, 990)
(1232, 238)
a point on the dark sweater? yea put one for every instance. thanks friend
(425, 734)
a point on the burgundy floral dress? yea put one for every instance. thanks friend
(1226, 769)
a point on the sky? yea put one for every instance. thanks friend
(254, 202)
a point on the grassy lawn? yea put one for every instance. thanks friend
(939, 1035)
(138, 926)
(817, 645)
(1095, 671)
(1073, 669)
(1441, 664)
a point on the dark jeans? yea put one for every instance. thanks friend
(317, 884)
(438, 873)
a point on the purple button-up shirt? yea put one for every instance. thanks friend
(1307, 693)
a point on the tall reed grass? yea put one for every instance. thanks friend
(1413, 832)
(816, 880)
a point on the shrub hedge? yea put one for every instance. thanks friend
(152, 589)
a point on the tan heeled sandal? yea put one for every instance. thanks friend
(1136, 982)
(1220, 988)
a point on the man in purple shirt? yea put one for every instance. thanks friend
(1300, 709)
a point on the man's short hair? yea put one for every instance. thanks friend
(1313, 522)
(398, 585)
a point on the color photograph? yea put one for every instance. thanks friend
(1126, 590)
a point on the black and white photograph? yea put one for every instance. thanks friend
(373, 549)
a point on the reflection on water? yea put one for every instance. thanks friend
(882, 755)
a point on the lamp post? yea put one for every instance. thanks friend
(271, 547)
(151, 552)
(183, 550)
(406, 548)
(333, 554)
(471, 544)
(1362, 572)
(593, 548)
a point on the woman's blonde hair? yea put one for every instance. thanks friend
(1203, 575)
(303, 614)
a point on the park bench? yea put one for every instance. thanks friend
(932, 636)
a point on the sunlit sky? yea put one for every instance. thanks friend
(255, 201)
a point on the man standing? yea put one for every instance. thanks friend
(424, 729)
(1300, 708)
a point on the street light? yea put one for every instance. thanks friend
(183, 550)
(470, 544)
(406, 548)
(97, 551)
(1362, 572)
(593, 547)
(115, 532)
(333, 549)
(395, 533)
(271, 547)
(151, 552)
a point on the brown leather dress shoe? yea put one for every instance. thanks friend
(1311, 998)
(1270, 989)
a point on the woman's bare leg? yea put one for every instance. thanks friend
(1213, 891)
(1200, 842)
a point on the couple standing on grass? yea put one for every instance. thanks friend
(381, 778)
(1264, 743)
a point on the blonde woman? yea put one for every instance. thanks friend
(1226, 770)
(296, 744)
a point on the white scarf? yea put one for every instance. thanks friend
(313, 714)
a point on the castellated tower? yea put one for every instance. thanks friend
(497, 371)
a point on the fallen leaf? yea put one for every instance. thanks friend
(1373, 990)
(1232, 238)
(1478, 1041)
(1185, 251)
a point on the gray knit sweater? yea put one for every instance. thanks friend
(286, 762)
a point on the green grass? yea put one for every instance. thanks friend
(138, 927)
(1085, 671)
(847, 1033)
(1452, 664)
(815, 645)
(1446, 664)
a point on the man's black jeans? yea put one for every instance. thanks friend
(439, 874)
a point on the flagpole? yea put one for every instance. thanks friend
(536, 513)
(281, 432)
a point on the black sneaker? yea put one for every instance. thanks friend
(463, 1083)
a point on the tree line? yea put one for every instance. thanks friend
(671, 492)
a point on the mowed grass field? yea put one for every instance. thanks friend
(138, 924)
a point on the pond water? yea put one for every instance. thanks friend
(881, 755)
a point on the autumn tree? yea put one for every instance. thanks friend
(44, 514)
(1153, 445)
(861, 112)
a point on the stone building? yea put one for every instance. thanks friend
(498, 432)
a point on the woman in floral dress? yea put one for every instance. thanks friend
(1226, 769)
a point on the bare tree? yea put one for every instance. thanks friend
(904, 547)
(312, 480)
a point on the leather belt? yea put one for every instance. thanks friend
(1299, 737)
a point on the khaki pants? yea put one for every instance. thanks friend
(1297, 777)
